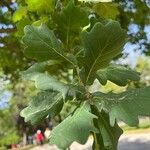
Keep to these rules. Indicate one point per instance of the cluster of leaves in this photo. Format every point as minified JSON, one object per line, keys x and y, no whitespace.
{"x":84,"y":44}
{"x":15,"y":15}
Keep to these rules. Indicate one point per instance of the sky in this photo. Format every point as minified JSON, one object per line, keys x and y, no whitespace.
{"x":4,"y":99}
{"x":133,"y":50}
{"x":5,"y":95}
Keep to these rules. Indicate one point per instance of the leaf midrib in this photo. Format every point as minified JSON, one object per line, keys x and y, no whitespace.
{"x":45,"y":109}
{"x":36,"y":33}
{"x":100,"y":55}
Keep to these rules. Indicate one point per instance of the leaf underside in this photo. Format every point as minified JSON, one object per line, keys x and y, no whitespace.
{"x":126,"y":106}
{"x":117,"y":74}
{"x":110,"y":134}
{"x":75,"y":127}
{"x":44,"y":81}
{"x":44,"y":104}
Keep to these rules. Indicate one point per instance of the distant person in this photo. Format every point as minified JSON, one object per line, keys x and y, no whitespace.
{"x":47,"y":133}
{"x":30,"y":139}
{"x":39,"y":137}
{"x":13,"y":146}
{"x":50,"y":125}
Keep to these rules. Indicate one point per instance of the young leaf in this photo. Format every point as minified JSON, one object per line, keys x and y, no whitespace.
{"x":101,"y":44}
{"x":126,"y":106}
{"x":117,"y":74}
{"x":96,"y":1}
{"x":20,"y":14}
{"x":106,"y":10}
{"x":42,"y":44}
{"x":75,"y":127}
{"x":39,"y":6}
{"x":44,"y":104}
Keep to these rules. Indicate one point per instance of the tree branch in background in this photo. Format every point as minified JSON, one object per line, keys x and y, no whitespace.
{"x":8,"y":30}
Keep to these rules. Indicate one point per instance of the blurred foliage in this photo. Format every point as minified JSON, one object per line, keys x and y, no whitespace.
{"x":11,"y":137}
{"x":143,"y":66}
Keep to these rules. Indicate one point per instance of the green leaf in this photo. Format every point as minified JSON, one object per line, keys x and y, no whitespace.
{"x":44,"y":104}
{"x":107,"y":10}
{"x":20,"y":26}
{"x":101,"y":44}
{"x":42,"y":20}
{"x":42,"y":44}
{"x":126,"y":106}
{"x":75,"y":127}
{"x":47,"y":82}
{"x":44,"y":81}
{"x":37,"y":68}
{"x":117,"y":74}
{"x":20,"y":14}
{"x":109,"y":134}
{"x":95,"y":1}
{"x":39,"y":6}
{"x":70,"y":22}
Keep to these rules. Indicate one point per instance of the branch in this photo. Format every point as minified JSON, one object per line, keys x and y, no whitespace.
{"x":8,"y":30}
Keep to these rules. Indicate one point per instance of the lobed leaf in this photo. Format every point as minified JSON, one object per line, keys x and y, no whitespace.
{"x":101,"y":44}
{"x":110,"y":134}
{"x":117,"y":74}
{"x":47,"y":82}
{"x":126,"y":106}
{"x":44,"y":81}
{"x":42,"y":44}
{"x":46,"y":103}
{"x":39,"y":68}
{"x":75,"y":127}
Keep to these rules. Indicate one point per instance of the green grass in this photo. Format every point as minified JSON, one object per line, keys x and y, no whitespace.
{"x":141,"y":127}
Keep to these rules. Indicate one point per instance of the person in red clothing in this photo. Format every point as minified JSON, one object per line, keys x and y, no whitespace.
{"x":39,"y":137}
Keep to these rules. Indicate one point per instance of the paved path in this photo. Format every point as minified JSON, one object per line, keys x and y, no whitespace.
{"x":140,"y":141}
